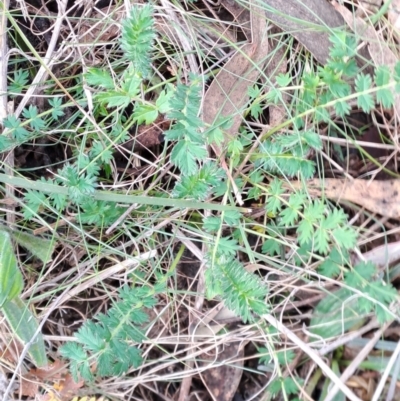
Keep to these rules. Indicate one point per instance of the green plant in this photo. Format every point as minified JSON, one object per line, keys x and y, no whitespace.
{"x":273,"y":359}
{"x":180,"y":104}
{"x":365,"y":292}
{"x":128,"y":95}
{"x":111,"y":341}
{"x":320,"y":91}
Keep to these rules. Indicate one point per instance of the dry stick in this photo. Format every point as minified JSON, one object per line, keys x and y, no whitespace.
{"x":313,"y":355}
{"x":356,"y":362}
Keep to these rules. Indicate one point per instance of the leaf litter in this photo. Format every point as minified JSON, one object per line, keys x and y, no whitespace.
{"x":381,"y":197}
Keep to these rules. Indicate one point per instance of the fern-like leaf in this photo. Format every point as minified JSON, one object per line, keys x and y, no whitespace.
{"x":137,"y":38}
{"x":365,"y":99}
{"x":111,"y":339}
{"x":242,"y":291}
{"x":277,"y":158}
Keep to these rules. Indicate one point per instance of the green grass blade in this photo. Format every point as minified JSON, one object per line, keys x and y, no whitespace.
{"x":24,"y":326}
{"x":113,"y":197}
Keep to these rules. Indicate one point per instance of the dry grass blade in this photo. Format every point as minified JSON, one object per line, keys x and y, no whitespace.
{"x":386,"y":373}
{"x":394,"y":14}
{"x":277,"y":65}
{"x":90,"y":282}
{"x":394,"y":361}
{"x":313,"y":355}
{"x":349,"y":371}
{"x":3,"y":60}
{"x":187,"y":381}
{"x":344,"y":339}
{"x":48,"y":61}
{"x":187,"y":46}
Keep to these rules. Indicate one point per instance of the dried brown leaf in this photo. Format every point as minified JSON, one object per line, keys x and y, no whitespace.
{"x":382,"y":197}
{"x":64,"y":387}
{"x":227,"y":94}
{"x":67,"y":388}
{"x":28,"y":388}
{"x":308,"y":21}
{"x":148,"y":136}
{"x":53,"y":371}
{"x":222,"y":381}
